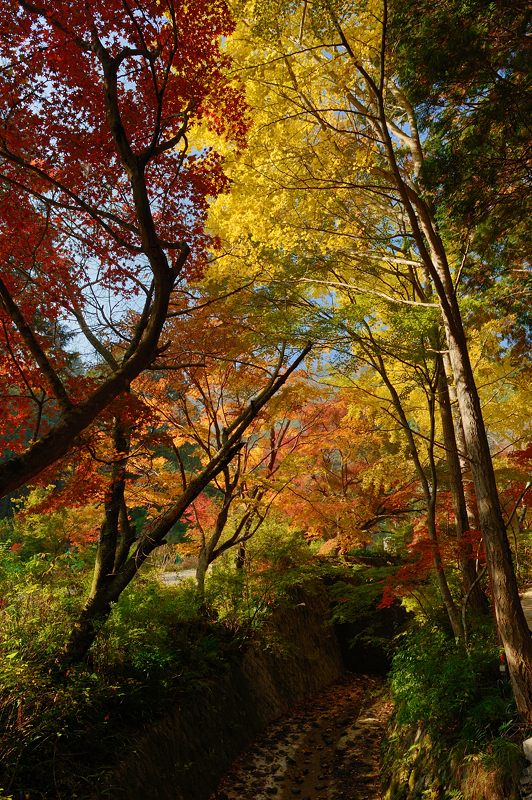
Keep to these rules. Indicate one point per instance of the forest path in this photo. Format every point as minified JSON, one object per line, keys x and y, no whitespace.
{"x":328,"y":749}
{"x":526,"y":602}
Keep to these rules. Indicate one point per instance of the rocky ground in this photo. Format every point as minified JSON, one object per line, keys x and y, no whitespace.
{"x":329,"y":749}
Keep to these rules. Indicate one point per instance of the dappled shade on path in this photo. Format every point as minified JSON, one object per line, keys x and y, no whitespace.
{"x":329,"y":749}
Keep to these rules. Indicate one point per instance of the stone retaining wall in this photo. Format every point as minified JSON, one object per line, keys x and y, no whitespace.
{"x":416,"y":768}
{"x":184,"y":755}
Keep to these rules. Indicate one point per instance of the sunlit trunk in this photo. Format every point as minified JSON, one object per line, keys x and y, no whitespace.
{"x":476,"y":598}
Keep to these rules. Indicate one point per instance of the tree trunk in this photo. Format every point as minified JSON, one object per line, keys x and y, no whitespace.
{"x":85,"y":629}
{"x":448,"y":600}
{"x":240,"y":560}
{"x":511,"y":622}
{"x":467,"y":482}
{"x":201,"y":572}
{"x":477,"y":600}
{"x":108,"y":583}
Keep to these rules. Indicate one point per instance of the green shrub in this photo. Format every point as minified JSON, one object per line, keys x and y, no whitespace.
{"x":278,"y":559}
{"x":454,"y":694}
{"x":154,"y":646}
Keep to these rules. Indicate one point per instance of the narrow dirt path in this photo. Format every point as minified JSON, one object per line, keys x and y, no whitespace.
{"x":329,"y":749}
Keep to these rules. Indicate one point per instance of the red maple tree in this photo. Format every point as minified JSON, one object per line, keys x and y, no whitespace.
{"x":102,"y":199}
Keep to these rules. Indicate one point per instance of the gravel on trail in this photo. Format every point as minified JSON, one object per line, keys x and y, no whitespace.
{"x":328,"y":749}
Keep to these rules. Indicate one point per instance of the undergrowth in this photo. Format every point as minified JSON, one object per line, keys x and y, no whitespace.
{"x":57,"y":726}
{"x":62,"y":732}
{"x":462,"y":708}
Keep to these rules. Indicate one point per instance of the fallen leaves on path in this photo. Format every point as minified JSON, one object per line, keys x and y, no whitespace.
{"x":329,"y":749}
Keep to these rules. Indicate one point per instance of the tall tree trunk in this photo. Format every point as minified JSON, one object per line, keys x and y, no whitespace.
{"x":511,"y":622}
{"x":111,"y":542}
{"x":240,"y":560}
{"x":465,"y":468}
{"x":448,"y":601}
{"x":84,"y":631}
{"x":476,"y":598}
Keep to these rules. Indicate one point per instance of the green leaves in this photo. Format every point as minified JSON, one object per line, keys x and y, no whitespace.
{"x":463,"y":66}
